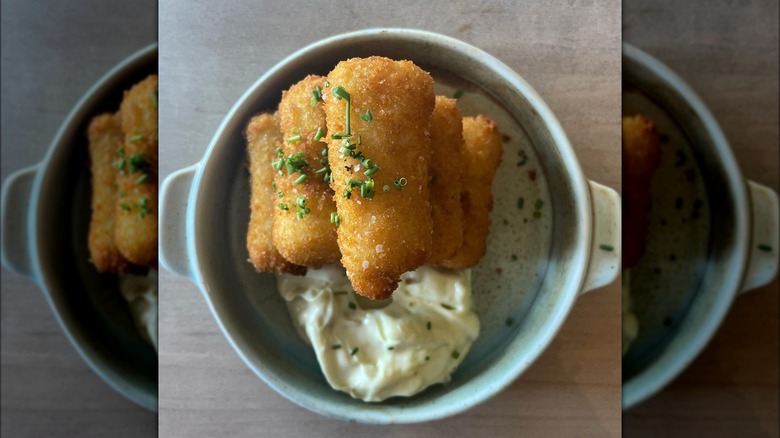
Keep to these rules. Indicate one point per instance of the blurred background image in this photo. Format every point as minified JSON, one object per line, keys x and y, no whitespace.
{"x":727,"y":52}
{"x":52,"y":54}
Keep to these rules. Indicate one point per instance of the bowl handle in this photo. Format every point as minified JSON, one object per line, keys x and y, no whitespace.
{"x":605,"y":248}
{"x":764,"y":249}
{"x":15,"y":221}
{"x":174,"y":198}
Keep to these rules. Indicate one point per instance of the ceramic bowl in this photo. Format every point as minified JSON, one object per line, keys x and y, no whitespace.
{"x":712,"y":236}
{"x":45,"y":219}
{"x":205,"y":210}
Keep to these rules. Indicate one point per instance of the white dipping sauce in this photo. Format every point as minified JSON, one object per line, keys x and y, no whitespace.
{"x":141,"y":294}
{"x":373,"y":353}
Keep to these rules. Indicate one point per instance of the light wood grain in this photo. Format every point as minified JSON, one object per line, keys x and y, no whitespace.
{"x":210,"y":53}
{"x":728,"y":52}
{"x":52,"y":53}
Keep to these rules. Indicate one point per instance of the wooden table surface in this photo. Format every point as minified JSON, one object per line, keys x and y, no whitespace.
{"x":569,"y":51}
{"x":52,"y":52}
{"x":728,"y":53}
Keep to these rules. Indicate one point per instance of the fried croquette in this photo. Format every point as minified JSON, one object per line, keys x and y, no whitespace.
{"x":302,"y":230}
{"x":446,"y":168}
{"x":105,"y":138}
{"x":482,"y":156}
{"x":262,"y":136}
{"x":641,"y":157}
{"x":379,"y":156}
{"x":135,"y":233}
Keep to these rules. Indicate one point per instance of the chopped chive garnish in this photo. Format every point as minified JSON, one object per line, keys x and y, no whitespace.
{"x":301,"y":201}
{"x":391,"y":348}
{"x":606,"y":247}
{"x":142,"y":179}
{"x":360,"y":139}
{"x":318,"y":135}
{"x":354,"y":351}
{"x":334,"y":218}
{"x":135,"y":138}
{"x":327,"y":84}
{"x":386,"y":188}
{"x":403,"y":182}
{"x":124,"y":207}
{"x":283,"y":206}
{"x":143,"y":207}
{"x":427,"y":358}
{"x":340,"y":93}
{"x":367,"y":189}
{"x":428,"y":325}
{"x":522,"y":157}
{"x":279,"y":195}
{"x":455,"y":354}
{"x":321,"y":170}
{"x":366,"y":117}
{"x":302,"y":179}
{"x":764,"y":247}
{"x":341,"y":135}
{"x":458,"y":94}
{"x":447,"y":306}
{"x":316,"y":95}
{"x":295,"y":162}
{"x":372,"y":171}
{"x":352,"y":306}
{"x":335,"y":346}
{"x":295,"y":138}
{"x":137,"y":162}
{"x":509,"y":321}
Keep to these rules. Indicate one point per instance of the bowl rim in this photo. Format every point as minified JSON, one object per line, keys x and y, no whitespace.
{"x":35,"y":223}
{"x":670,"y":364}
{"x":556,"y":317}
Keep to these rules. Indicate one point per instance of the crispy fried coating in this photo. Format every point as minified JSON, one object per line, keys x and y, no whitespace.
{"x":447,"y":165}
{"x":482,"y":156}
{"x":641,"y":156}
{"x":304,"y":239}
{"x":382,"y":237}
{"x":135,"y":233}
{"x":262,"y":136}
{"x":105,"y":139}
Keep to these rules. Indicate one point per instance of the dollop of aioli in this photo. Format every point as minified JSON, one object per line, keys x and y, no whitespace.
{"x":141,"y":294}
{"x":376,"y":350}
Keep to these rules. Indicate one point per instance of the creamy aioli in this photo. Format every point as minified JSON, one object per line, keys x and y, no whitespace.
{"x":141,"y":294}
{"x":398,"y":349}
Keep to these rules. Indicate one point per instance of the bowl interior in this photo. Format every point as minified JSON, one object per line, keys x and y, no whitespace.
{"x":531,"y":273}
{"x":89,"y":305}
{"x":691,"y":267}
